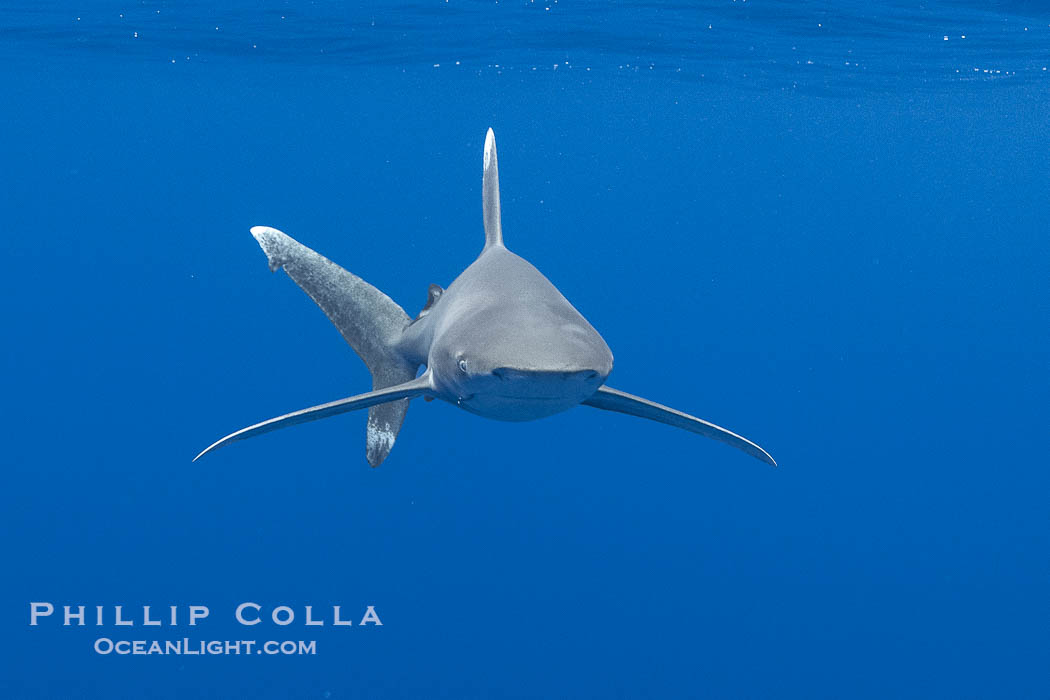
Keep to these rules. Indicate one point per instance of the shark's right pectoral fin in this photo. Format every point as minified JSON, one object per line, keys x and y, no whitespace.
{"x":613,"y":400}
{"x":407,"y":390}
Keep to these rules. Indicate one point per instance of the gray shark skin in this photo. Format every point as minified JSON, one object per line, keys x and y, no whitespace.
{"x":501,"y":342}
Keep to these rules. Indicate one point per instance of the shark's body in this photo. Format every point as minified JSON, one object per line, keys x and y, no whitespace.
{"x":501,"y":342}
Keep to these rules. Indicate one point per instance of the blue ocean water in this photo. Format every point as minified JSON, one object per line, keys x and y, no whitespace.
{"x":821,"y":226}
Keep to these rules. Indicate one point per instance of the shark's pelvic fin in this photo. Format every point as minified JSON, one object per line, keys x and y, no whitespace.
{"x":370,"y":321}
{"x":613,"y":400}
{"x":490,"y":194}
{"x":400,"y":393}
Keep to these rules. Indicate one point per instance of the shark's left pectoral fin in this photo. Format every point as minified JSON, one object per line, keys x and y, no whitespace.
{"x":613,"y":400}
{"x":407,"y":390}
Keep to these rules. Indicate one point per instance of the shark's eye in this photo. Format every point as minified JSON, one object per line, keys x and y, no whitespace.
{"x":463,"y":365}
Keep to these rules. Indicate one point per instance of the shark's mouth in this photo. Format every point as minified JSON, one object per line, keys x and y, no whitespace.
{"x":518,"y":397}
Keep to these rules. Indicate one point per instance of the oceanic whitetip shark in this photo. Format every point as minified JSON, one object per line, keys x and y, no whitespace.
{"x":501,"y":342}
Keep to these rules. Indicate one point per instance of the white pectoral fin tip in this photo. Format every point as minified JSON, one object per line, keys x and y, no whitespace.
{"x":214,"y":446}
{"x":206,"y":450}
{"x":762,"y":455}
{"x":273,"y":243}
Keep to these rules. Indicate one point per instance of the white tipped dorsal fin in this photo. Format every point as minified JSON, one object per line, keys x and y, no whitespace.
{"x":490,"y":194}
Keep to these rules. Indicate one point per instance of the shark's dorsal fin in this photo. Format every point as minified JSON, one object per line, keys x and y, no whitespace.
{"x":490,"y":194}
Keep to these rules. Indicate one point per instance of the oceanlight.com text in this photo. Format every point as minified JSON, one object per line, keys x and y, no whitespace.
{"x":190,"y":647}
